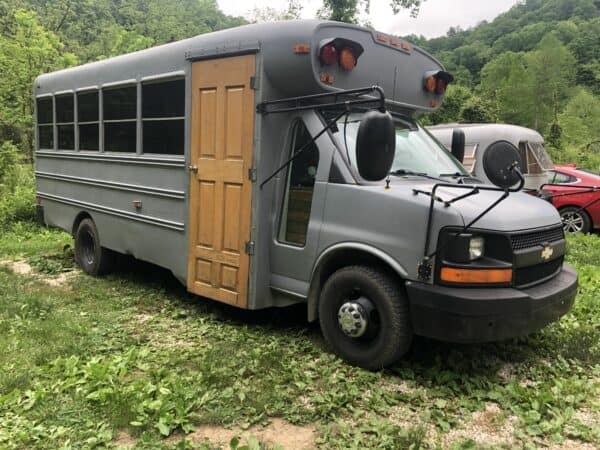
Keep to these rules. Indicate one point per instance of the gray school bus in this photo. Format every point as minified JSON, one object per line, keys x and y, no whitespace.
{"x":281,"y":163}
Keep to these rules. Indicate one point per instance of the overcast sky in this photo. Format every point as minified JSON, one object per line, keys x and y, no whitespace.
{"x":435,"y":17}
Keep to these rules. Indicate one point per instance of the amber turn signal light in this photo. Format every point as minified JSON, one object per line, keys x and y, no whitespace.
{"x":347,"y":59}
{"x":475,"y":276}
{"x":430,"y":84}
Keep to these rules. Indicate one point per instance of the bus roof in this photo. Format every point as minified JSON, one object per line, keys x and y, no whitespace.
{"x":289,"y":53}
{"x":488,"y":132}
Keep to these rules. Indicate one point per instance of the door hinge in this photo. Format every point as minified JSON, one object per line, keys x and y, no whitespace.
{"x":250,"y":247}
{"x":254,"y":83}
{"x":252,"y":176}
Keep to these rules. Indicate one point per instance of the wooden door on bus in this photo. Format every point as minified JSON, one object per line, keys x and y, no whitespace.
{"x":222,"y":124}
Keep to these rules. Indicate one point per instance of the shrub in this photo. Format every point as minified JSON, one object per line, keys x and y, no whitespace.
{"x":9,"y":157}
{"x":17,"y":187}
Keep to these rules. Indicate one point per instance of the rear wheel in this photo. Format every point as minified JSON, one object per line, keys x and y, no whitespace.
{"x":364,"y":317}
{"x":89,"y":254}
{"x":575,"y":219}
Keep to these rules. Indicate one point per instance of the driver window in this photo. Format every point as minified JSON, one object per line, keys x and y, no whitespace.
{"x":299,"y":189}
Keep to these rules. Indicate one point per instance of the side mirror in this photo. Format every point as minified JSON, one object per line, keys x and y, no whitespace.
{"x":375,"y":145}
{"x":458,"y":144}
{"x":498,"y":161}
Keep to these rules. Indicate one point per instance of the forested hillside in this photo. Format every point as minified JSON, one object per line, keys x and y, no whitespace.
{"x":38,"y":36}
{"x":537,"y":65}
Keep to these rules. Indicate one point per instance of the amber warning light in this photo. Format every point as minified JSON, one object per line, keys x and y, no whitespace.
{"x":436,"y":82}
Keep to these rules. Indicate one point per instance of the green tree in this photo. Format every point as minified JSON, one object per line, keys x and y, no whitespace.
{"x":506,"y":85}
{"x":580,"y":121}
{"x":552,"y":68}
{"x":26,"y":51}
{"x":449,"y":112}
{"x":476,"y":110}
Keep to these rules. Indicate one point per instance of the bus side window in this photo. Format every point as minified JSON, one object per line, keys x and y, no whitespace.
{"x":88,"y":120}
{"x":65,"y":122}
{"x":300,"y":184}
{"x":45,"y":122}
{"x":163,"y":116}
{"x":120,"y":127}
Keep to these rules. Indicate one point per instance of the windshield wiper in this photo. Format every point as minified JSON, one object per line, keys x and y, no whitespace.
{"x":455,"y":174}
{"x":461,"y":176}
{"x":403,"y":172}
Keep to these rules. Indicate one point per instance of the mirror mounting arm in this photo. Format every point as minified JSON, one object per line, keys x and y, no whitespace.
{"x":307,"y":145}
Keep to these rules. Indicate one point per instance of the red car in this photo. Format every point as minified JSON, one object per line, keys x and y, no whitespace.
{"x":569,"y":206}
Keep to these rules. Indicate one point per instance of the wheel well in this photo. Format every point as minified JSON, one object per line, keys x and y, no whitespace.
{"x":342,"y":258}
{"x":80,"y":217}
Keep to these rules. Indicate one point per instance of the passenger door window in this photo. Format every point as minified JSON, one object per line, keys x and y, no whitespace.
{"x":300,"y":184}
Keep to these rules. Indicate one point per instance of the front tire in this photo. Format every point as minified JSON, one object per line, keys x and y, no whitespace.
{"x":364,"y":317}
{"x":89,"y":254}
{"x":575,"y":220}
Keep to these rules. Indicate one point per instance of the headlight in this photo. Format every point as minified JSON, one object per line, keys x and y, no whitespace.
{"x":476,"y":245}
{"x":462,"y":248}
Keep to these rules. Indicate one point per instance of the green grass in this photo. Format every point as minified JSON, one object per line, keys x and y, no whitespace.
{"x":134,"y":353}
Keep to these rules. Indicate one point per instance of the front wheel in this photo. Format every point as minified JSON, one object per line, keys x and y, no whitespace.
{"x":364,"y":317}
{"x":575,"y":219}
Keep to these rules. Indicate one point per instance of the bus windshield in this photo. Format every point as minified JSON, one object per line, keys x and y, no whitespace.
{"x":417,"y":152}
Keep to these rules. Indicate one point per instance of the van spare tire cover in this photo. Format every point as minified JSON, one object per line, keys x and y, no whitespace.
{"x":375,"y":145}
{"x":497,"y":161}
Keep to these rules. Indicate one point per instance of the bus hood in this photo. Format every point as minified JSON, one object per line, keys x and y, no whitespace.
{"x":519,"y":211}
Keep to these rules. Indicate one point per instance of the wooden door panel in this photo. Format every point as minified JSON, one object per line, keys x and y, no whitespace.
{"x":220,"y":191}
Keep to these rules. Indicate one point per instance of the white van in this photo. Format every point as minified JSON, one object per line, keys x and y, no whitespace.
{"x":479,"y":138}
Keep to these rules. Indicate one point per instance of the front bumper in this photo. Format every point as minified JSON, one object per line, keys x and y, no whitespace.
{"x":469,"y":315}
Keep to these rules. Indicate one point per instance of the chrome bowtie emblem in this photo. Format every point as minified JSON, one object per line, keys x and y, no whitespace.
{"x":547,"y":253}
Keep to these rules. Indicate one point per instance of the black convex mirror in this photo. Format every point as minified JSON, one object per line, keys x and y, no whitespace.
{"x":458,"y":144}
{"x":375,"y":145}
{"x":498,"y":162}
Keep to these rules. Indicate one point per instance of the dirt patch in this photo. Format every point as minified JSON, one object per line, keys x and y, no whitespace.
{"x":61,"y":279}
{"x":24,"y":268}
{"x":397,"y":385}
{"x":19,"y":267}
{"x":278,"y":432}
{"x":124,"y":440}
{"x":487,"y":427}
{"x":568,"y":444}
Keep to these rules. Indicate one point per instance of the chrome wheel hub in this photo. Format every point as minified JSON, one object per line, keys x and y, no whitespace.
{"x":353,"y":317}
{"x":572,"y":222}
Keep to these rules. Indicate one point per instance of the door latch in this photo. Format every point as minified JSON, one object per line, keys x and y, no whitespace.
{"x":193,"y":168}
{"x":252,"y":176}
{"x":249,"y":248}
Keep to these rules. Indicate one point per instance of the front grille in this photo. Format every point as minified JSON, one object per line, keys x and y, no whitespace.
{"x":531,"y":239}
{"x":539,"y":272}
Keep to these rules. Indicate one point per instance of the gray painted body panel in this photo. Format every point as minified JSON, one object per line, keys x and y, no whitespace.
{"x":483,"y":135}
{"x":389,"y":220}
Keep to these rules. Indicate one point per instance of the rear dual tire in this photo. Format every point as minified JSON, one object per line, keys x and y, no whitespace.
{"x":360,"y":292}
{"x":89,"y":254}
